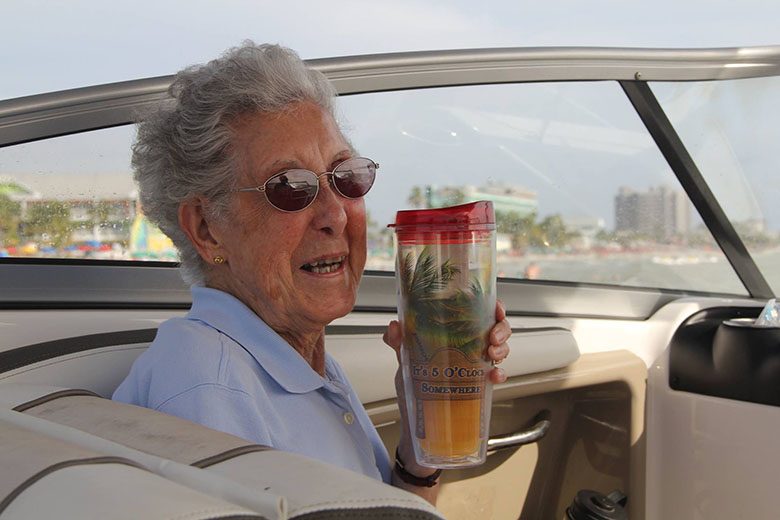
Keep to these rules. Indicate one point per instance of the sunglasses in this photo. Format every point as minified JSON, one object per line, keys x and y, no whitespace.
{"x":295,"y":190}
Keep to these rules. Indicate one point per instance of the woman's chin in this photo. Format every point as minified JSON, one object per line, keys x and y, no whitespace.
{"x":329,"y":295}
{"x":330,"y":307}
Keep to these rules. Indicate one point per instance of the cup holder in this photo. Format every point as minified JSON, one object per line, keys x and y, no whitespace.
{"x":748,"y":357}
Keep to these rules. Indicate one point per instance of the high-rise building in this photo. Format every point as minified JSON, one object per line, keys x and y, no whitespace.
{"x":626,"y":210}
{"x":660,"y":211}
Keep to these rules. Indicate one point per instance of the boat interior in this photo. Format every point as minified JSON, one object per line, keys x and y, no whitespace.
{"x":630,"y":387}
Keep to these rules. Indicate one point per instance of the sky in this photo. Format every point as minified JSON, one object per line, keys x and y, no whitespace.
{"x":50,"y":45}
{"x":56,"y":44}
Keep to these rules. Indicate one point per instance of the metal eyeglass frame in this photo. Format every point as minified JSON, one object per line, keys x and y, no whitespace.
{"x":317,"y":176}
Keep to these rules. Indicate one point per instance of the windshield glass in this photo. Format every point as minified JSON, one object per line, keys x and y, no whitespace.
{"x":74,"y":197}
{"x":581,"y":191}
{"x":730,"y":128}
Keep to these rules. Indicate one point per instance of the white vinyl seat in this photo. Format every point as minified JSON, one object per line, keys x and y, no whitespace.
{"x":98,"y":366}
{"x":49,"y":478}
{"x":306,"y":488}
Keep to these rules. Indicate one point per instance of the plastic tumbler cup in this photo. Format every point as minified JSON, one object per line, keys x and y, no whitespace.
{"x":445,"y":270}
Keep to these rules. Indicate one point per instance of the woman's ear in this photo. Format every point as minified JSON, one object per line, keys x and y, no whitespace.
{"x":199,"y":230}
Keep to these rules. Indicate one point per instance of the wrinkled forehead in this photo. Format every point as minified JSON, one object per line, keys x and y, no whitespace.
{"x":303,"y":135}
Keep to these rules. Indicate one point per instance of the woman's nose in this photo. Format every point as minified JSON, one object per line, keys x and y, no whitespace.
{"x":330,"y":213}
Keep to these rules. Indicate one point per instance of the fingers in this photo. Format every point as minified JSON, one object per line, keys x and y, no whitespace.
{"x":497,"y":375}
{"x":393,"y":336}
{"x":500,"y":310}
{"x":498,"y":352}
{"x":498,"y":349}
{"x":500,"y":332}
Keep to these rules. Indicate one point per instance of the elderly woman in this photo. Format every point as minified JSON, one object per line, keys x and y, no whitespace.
{"x":247,"y":172}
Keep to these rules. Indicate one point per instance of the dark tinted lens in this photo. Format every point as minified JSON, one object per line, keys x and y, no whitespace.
{"x":354,"y":177}
{"x":292,"y":190}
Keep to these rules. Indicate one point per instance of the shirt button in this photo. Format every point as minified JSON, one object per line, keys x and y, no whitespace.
{"x":349,"y":418}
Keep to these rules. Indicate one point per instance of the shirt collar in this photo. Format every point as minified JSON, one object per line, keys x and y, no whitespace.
{"x":232,"y":317}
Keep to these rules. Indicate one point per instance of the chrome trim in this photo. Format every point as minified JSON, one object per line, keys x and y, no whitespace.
{"x":357,"y":74}
{"x":514,"y":440}
{"x":77,"y":110}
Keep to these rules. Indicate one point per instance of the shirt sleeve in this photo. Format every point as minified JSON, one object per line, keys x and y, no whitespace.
{"x":221,"y":408}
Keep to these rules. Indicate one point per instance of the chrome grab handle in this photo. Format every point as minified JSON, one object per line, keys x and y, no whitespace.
{"x":533,"y":434}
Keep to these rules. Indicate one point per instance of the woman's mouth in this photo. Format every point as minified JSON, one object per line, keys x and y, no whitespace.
{"x":326,"y":265}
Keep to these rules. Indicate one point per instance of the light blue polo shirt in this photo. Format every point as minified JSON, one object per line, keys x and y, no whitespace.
{"x":221,"y":366}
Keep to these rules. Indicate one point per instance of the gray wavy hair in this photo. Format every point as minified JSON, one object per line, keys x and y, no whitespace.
{"x":183,"y":147}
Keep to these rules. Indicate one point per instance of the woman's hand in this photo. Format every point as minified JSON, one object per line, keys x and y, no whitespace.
{"x":496,"y":352}
{"x":498,"y":349}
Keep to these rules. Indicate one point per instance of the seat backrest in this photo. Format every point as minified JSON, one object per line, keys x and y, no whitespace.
{"x":96,"y":362}
{"x":311,"y":488}
{"x":43,"y":477}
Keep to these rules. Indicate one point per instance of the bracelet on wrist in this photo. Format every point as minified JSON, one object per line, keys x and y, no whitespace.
{"x":414,"y":480}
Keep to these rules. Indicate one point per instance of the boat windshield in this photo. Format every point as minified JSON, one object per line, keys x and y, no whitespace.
{"x":730,"y":128}
{"x":582,"y":190}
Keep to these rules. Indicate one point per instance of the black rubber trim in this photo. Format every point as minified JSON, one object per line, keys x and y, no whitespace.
{"x":229,"y":454}
{"x":61,"y":465}
{"x":370,"y":513}
{"x":87,"y":305}
{"x":239,"y":517}
{"x":27,"y":355}
{"x":528,"y":330}
{"x":692,"y":181}
{"x":352,"y":330}
{"x":146,"y":264}
{"x":53,"y":396}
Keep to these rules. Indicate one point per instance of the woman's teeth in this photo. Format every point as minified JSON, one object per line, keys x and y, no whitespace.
{"x":325,"y":266}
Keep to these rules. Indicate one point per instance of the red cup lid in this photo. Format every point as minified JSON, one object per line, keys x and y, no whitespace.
{"x":472,"y":216}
